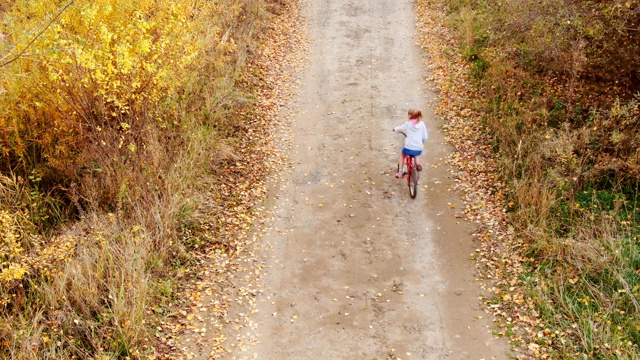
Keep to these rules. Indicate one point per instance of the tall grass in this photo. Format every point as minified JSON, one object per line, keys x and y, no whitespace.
{"x":564,"y":129}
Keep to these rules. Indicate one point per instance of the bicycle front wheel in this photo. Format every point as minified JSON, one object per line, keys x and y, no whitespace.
{"x":413,"y":183}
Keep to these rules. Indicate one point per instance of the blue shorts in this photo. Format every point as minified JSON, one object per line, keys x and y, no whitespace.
{"x":406,"y":151}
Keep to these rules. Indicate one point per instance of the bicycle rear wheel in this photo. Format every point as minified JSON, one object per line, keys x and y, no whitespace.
{"x":413,"y":182}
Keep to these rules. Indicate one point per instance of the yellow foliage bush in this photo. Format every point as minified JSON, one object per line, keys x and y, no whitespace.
{"x":95,"y":83}
{"x":124,"y":54}
{"x":44,"y":260}
{"x":10,"y":250}
{"x":100,"y":103}
{"x":104,"y":66}
{"x":81,"y":85}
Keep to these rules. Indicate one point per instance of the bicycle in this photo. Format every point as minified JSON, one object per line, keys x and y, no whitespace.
{"x":412,"y":175}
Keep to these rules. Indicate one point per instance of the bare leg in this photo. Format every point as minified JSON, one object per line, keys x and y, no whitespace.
{"x":400,"y":173}
{"x":418,"y":165}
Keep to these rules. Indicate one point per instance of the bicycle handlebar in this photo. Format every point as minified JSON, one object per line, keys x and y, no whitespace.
{"x":399,"y":132}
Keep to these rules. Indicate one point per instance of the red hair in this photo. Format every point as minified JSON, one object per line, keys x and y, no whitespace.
{"x":414,"y":114}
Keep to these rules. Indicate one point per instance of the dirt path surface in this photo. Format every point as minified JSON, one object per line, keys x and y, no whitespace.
{"x":357,"y":269}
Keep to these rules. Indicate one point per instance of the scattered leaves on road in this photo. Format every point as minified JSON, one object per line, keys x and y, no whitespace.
{"x":212,"y":314}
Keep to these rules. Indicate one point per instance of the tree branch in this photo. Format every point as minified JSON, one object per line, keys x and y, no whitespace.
{"x":61,"y":10}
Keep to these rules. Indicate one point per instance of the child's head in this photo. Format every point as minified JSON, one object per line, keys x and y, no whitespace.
{"x":414,"y":114}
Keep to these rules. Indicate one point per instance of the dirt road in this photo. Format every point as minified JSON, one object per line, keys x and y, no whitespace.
{"x":359,"y":270}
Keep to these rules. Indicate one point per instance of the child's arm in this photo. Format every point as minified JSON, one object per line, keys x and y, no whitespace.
{"x":402,"y":128}
{"x":425,"y":135}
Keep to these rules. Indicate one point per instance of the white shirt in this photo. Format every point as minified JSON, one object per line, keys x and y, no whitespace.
{"x":416,"y":134}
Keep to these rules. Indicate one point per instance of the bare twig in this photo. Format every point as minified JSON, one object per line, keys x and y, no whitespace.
{"x":60,"y":11}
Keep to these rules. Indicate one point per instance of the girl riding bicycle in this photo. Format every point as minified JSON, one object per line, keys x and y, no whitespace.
{"x":416,"y":134}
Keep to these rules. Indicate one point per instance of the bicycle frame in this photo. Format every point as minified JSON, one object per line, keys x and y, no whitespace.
{"x":412,"y":175}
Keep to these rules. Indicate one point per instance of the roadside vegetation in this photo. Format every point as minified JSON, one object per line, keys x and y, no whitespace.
{"x":553,"y":92}
{"x":121,"y":124}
